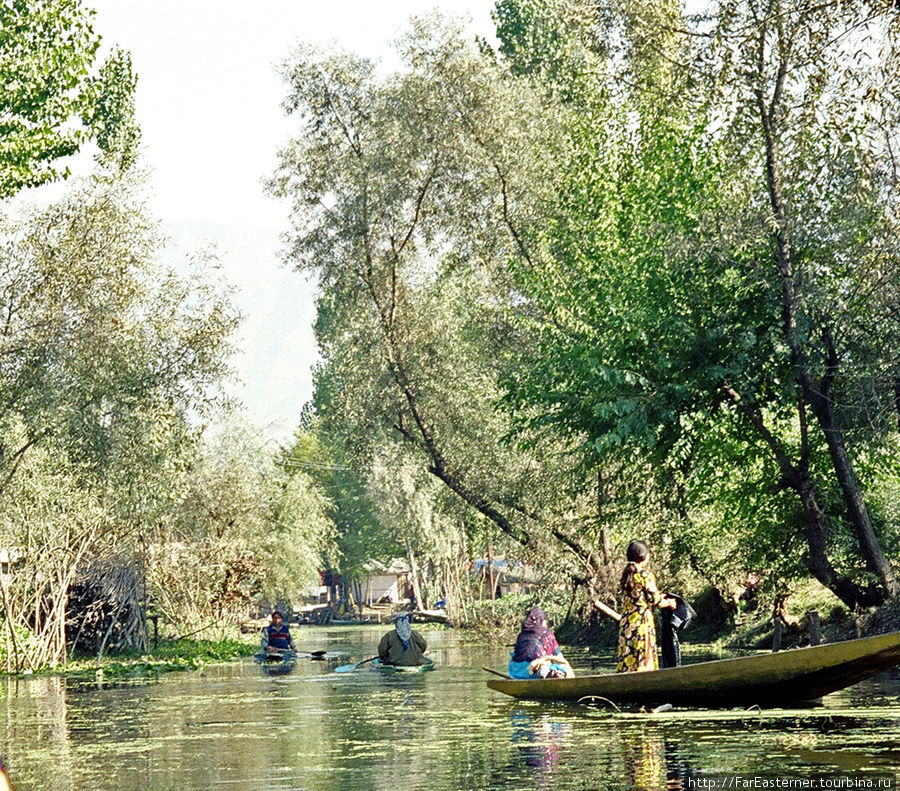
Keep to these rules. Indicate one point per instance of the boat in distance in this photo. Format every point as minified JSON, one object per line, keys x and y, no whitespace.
{"x":799,"y":675}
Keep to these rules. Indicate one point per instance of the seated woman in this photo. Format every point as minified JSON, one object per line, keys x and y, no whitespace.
{"x":537,"y":653}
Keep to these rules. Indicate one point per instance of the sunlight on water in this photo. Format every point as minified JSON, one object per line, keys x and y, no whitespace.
{"x":245,"y":726}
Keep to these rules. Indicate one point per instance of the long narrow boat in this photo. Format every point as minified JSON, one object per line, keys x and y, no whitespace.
{"x":377,"y":664}
{"x":775,"y":679}
{"x":282,"y":657}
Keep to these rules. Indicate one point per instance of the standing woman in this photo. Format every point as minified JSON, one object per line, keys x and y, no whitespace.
{"x":637,"y":632}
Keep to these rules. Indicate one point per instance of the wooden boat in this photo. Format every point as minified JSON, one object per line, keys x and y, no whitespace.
{"x":284,"y":657}
{"x":776,"y":679}
{"x":377,"y":664}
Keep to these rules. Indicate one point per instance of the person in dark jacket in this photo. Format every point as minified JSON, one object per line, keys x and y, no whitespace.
{"x":404,"y":646}
{"x":673,"y":621}
{"x":537,"y":653}
{"x":276,"y":637}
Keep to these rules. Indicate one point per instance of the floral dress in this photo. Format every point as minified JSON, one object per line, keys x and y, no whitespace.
{"x":637,"y":631}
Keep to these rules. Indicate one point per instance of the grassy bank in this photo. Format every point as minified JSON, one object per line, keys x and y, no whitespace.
{"x":721,"y":626}
{"x":168,"y":656}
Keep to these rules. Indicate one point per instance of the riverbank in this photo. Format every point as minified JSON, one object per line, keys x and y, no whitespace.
{"x":169,"y":656}
{"x":746,"y":624}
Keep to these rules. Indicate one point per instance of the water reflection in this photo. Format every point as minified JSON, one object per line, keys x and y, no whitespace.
{"x":653,"y":761}
{"x":282,"y":668}
{"x":232,"y":726}
{"x":538,"y":742}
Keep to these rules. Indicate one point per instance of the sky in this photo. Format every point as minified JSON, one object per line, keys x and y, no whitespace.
{"x":208,"y":102}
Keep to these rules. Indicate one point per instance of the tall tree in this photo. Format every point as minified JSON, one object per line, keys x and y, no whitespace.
{"x":729,"y":254}
{"x":241,"y":529}
{"x":403,"y":188}
{"x":103,"y":354}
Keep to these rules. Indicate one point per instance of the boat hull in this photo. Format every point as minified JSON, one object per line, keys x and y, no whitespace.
{"x":775,"y":679}
{"x":377,"y":664}
{"x":263,"y":657}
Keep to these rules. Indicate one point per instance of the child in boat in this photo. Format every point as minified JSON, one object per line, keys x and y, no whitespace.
{"x":637,"y":631}
{"x":276,"y":637}
{"x":537,"y":653}
{"x":404,"y":646}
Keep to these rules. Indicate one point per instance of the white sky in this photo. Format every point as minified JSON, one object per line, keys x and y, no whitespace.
{"x":208,"y":102}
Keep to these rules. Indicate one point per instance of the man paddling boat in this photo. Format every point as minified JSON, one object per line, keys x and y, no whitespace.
{"x":276,"y":637}
{"x":404,"y":646}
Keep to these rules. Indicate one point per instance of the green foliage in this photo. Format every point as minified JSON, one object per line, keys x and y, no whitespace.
{"x":47,"y":48}
{"x":241,"y":530}
{"x":169,"y":656}
{"x":318,"y":453}
{"x":110,"y":114}
{"x":552,"y":40}
{"x":554,"y":279}
{"x":661,"y":306}
{"x":508,"y":612}
{"x":106,"y":357}
{"x":402,"y":189}
{"x":100,"y":340}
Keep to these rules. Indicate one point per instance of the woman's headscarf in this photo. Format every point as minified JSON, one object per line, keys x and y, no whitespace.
{"x":404,"y":629}
{"x":534,"y":621}
{"x":536,"y":638}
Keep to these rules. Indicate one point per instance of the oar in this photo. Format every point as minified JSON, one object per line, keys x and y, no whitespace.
{"x":351,"y":668}
{"x":607,"y":610}
{"x":502,"y":675}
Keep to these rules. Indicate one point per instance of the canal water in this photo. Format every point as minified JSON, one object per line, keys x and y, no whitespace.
{"x":239,"y":726}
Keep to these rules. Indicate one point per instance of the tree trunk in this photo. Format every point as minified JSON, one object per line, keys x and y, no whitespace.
{"x":854,"y":502}
{"x":770,"y":111}
{"x":796,"y":477}
{"x":897,"y":399}
{"x":414,"y":574}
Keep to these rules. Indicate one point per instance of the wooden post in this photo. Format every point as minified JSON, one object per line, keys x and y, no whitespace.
{"x":490,"y":564}
{"x":815,"y":630}
{"x":776,"y":636}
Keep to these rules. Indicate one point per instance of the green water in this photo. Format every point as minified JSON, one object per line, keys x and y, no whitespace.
{"x":241,"y":726}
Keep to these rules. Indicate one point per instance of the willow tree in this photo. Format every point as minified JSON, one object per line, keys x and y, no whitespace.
{"x":241,"y":530}
{"x":405,"y":187}
{"x":103,"y":354}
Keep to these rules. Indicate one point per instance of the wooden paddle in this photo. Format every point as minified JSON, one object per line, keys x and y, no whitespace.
{"x":502,"y":675}
{"x":351,"y":668}
{"x":606,"y":610}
